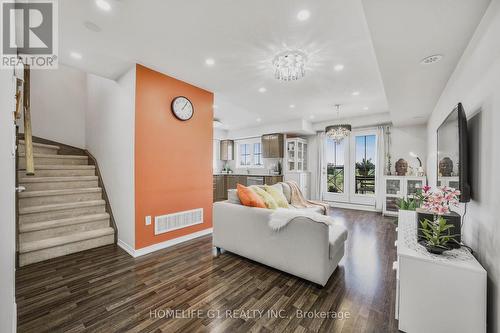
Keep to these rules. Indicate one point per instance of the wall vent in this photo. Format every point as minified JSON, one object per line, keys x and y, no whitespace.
{"x":178,"y":220}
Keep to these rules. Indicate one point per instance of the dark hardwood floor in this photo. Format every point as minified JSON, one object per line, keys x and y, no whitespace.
{"x":106,"y":290}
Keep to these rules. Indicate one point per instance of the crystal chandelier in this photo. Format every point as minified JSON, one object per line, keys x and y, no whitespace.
{"x":338,"y":132}
{"x":290,"y":65}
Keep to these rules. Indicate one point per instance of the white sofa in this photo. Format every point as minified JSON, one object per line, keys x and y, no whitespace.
{"x":303,"y":248}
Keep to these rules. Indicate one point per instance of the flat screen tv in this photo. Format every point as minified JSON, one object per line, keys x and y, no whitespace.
{"x":453,"y":153}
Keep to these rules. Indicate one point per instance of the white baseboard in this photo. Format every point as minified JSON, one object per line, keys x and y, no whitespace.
{"x":163,"y":245}
{"x":353,"y":206}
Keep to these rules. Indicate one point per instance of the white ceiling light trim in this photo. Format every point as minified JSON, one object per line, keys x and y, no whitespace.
{"x":103,"y":4}
{"x":431,"y":59}
{"x":303,"y":15}
{"x":338,"y":67}
{"x":290,"y":65}
{"x":355,"y":93}
{"x":210,"y":62}
{"x":262,"y":90}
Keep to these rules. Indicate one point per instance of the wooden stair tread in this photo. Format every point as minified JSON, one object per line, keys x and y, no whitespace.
{"x":36,"y":179}
{"x":36,"y":226}
{"x":63,"y":240}
{"x":62,"y":167}
{"x":42,"y":145}
{"x":32,"y":194}
{"x":80,"y":157}
{"x":63,"y":206}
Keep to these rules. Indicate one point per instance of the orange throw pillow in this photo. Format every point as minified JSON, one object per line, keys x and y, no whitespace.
{"x":249,"y":198}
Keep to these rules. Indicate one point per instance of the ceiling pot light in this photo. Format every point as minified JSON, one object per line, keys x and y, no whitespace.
{"x":92,"y":26}
{"x":355,"y":93}
{"x":290,"y":65}
{"x":258,"y":120}
{"x":262,"y":90}
{"x":210,"y":62}
{"x":312,"y":117}
{"x":338,"y":67}
{"x":75,"y":55}
{"x":292,"y":106}
{"x":338,"y":132}
{"x":365,"y":108}
{"x":303,"y":15}
{"x":431,"y":59}
{"x":103,"y":4}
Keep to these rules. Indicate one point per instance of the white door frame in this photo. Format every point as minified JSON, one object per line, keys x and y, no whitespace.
{"x":349,"y":196}
{"x":361,"y":199}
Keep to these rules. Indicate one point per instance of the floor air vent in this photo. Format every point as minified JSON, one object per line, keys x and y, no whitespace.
{"x":178,"y":220}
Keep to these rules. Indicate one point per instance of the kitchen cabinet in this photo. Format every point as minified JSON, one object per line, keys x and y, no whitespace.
{"x":296,"y":157}
{"x":222,"y":183}
{"x":271,"y":180}
{"x":273,"y":145}
{"x":227,"y":150}
{"x":220,"y":192}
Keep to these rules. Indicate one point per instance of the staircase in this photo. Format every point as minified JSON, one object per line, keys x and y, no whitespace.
{"x":62,"y":210}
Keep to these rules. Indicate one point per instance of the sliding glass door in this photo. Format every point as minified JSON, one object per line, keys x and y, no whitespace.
{"x":351,"y":166}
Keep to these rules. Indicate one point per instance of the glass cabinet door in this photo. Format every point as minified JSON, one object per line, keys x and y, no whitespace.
{"x":393,"y":186}
{"x":413,"y":186}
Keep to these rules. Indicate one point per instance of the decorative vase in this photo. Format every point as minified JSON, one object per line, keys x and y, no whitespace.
{"x":451,"y":218}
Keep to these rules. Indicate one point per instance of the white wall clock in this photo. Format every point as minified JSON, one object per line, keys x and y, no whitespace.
{"x":182,"y":108}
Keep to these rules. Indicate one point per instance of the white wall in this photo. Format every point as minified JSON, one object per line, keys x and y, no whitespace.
{"x":408,"y":139}
{"x":476,"y":83}
{"x":7,"y":203}
{"x":58,"y":105}
{"x":110,"y":138}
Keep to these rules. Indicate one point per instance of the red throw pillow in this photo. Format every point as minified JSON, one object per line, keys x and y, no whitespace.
{"x":249,"y":198}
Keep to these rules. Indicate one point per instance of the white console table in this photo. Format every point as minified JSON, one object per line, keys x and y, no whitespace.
{"x":437,"y":293}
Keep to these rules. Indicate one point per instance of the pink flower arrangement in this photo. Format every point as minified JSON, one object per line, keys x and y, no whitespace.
{"x":438,"y":202}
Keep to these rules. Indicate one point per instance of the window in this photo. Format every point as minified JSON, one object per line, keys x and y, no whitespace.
{"x":249,"y":154}
{"x":366,"y":146}
{"x":245,"y":159}
{"x":335,"y":168}
{"x":257,"y":154}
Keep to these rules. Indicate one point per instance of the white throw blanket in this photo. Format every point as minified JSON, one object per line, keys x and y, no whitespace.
{"x":282,"y":216}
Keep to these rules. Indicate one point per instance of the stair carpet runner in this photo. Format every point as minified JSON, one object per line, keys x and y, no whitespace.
{"x":62,"y":210}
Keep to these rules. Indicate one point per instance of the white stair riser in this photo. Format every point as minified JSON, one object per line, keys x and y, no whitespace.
{"x":55,"y":199}
{"x":38,"y":150}
{"x":61,"y":214}
{"x":59,"y":173}
{"x":52,"y":161}
{"x":63,"y":230}
{"x":40,"y":255}
{"x":59,"y":185}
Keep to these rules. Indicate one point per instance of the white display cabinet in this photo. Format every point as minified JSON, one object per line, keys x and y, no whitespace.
{"x":296,"y":155}
{"x":398,"y":187}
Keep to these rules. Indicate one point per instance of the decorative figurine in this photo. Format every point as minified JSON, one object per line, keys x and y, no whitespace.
{"x":401,"y":167}
{"x":446,"y":167}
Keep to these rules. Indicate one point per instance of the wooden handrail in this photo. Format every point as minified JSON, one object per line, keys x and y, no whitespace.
{"x":28,"y":140}
{"x":19,"y":97}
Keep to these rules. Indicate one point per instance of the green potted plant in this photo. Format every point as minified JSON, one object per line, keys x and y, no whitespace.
{"x":436,"y":234}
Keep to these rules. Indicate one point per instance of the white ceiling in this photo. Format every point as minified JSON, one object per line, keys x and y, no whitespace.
{"x":406,"y":31}
{"x":176,"y":36}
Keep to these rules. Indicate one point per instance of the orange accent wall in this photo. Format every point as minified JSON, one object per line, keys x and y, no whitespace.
{"x":173,"y":158}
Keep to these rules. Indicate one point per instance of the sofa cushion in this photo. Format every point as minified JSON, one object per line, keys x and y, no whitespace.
{"x":337,"y":235}
{"x":266,"y":197}
{"x":232,"y":196}
{"x":287,"y":191}
{"x":277,"y":195}
{"x":249,"y":198}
